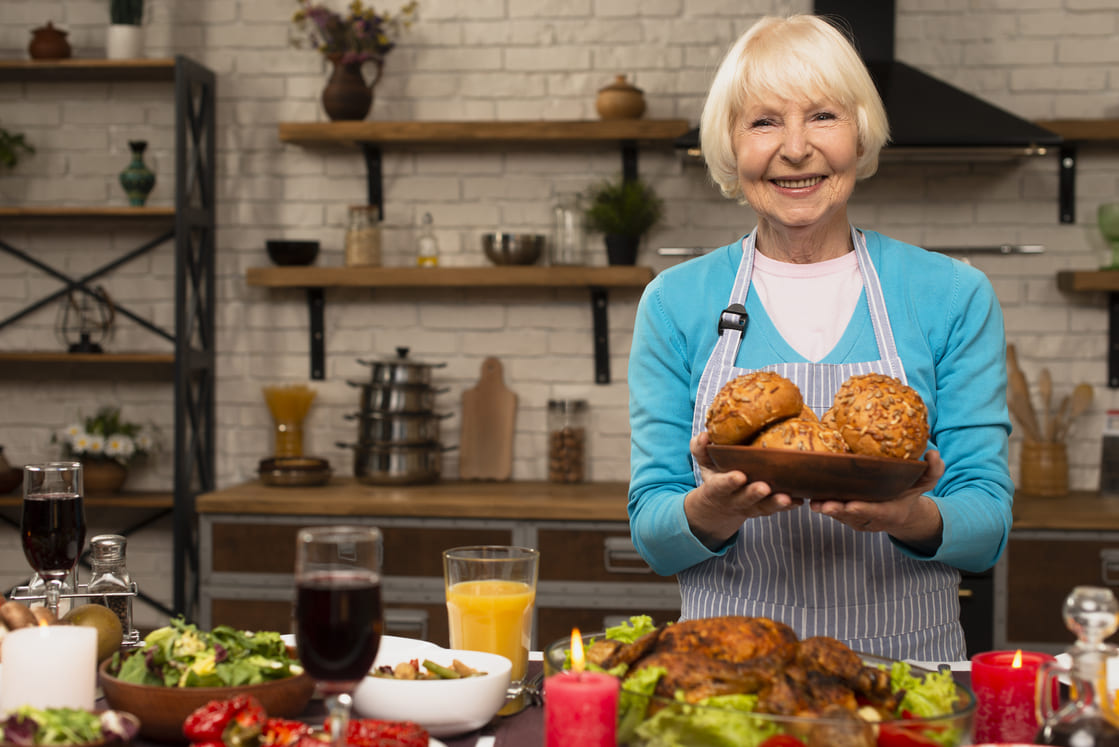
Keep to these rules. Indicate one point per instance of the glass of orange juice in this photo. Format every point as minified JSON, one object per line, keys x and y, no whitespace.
{"x":491,"y":595}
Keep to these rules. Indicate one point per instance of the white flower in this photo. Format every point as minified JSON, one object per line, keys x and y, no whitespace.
{"x":73,"y":431}
{"x":80,"y":442}
{"x":119,"y":445}
{"x":143,"y":442}
{"x":95,"y":445}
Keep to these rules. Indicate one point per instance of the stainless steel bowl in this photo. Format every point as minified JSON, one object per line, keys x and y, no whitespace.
{"x":513,"y":248}
{"x":391,"y":398}
{"x":397,"y":428}
{"x":389,"y":464}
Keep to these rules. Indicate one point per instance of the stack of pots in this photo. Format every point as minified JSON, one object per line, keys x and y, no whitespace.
{"x":398,"y":428}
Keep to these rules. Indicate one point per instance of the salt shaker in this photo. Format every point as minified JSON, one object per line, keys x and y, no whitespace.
{"x":108,"y":575}
{"x":567,"y":440}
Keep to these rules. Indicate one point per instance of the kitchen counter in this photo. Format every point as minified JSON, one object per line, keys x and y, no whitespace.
{"x":592,"y":501}
{"x":546,"y":501}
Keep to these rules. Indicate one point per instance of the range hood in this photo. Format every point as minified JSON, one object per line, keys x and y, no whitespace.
{"x":927,"y":116}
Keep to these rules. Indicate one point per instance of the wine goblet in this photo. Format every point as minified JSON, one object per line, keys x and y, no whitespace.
{"x":338,"y":614}
{"x":1107,"y":218}
{"x":52,"y":523}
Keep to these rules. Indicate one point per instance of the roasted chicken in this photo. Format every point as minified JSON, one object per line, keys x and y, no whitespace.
{"x":735,"y":654}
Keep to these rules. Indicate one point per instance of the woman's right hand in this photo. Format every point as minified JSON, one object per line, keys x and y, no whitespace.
{"x":723,"y":500}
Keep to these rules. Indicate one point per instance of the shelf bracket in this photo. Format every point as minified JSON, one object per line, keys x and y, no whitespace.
{"x":629,"y":160}
{"x":601,"y":335}
{"x":1113,"y":340}
{"x":1066,"y":183}
{"x":374,"y":188}
{"x":316,"y":301}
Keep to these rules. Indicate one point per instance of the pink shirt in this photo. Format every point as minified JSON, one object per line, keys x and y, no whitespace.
{"x":810,"y":304}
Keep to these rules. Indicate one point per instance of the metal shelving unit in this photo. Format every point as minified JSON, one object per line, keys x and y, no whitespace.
{"x":189,"y":226}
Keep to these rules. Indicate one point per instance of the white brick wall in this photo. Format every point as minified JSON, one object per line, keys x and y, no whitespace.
{"x":508,"y":59}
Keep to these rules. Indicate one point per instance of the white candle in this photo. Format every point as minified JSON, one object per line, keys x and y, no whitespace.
{"x":48,"y":666}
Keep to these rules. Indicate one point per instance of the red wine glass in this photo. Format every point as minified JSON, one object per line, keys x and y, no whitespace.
{"x":338,"y":614}
{"x":52,"y":523}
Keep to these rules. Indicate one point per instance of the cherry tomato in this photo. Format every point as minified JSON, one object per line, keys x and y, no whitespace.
{"x":781,"y":740}
{"x":895,"y":735}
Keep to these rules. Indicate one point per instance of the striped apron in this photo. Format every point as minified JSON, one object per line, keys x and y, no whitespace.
{"x":808,"y":570}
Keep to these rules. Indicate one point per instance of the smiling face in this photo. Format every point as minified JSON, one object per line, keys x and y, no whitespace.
{"x":797,"y":162}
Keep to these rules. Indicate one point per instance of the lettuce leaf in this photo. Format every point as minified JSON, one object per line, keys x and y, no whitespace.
{"x":732,"y":725}
{"x":628,"y":632}
{"x":934,"y":695}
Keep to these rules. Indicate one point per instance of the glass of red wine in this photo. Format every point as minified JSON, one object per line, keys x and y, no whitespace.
{"x":52,"y":523}
{"x":338,"y":615}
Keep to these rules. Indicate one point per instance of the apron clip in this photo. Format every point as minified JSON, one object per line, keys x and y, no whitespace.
{"x":739,"y":323}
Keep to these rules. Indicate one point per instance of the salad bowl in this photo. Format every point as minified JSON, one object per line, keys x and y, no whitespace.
{"x":649,"y":720}
{"x":117,"y":728}
{"x":445,"y":707}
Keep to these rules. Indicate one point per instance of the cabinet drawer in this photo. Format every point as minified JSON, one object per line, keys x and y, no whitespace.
{"x":593,"y":555}
{"x":1040,"y":575}
{"x":409,"y":551}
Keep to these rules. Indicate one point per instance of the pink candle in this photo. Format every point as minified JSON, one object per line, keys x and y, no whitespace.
{"x":580,"y":708}
{"x":1005,"y":694}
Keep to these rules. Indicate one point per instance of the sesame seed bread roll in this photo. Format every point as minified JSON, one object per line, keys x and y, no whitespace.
{"x":877,"y":415}
{"x":802,"y":435}
{"x":747,"y":404}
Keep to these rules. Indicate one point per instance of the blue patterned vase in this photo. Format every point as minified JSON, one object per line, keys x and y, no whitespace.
{"x":137,"y":179}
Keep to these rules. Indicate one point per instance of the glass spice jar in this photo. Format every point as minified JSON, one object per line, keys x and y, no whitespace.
{"x":567,"y":440}
{"x":363,"y":236}
{"x":109,"y":576}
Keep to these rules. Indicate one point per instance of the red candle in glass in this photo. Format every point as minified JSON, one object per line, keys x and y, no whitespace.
{"x":1005,"y":686}
{"x":580,"y":707}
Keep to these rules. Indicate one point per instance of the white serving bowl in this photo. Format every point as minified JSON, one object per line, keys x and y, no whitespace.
{"x":443,"y":707}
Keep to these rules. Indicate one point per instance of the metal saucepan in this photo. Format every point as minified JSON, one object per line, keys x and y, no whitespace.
{"x":397,"y":427}
{"x":390,"y":464}
{"x":399,"y":370}
{"x":389,"y":398}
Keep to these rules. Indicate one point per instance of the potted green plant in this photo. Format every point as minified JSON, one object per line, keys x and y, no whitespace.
{"x":106,"y":445}
{"x":623,"y":212}
{"x":125,"y":39}
{"x":12,"y":145}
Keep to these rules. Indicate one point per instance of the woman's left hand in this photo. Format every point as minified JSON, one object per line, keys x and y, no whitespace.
{"x":912,"y":517}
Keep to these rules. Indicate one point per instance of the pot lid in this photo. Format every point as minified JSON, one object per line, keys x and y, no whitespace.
{"x":401,"y":360}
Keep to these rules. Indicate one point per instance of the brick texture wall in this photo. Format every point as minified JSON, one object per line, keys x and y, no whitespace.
{"x":506,"y":59}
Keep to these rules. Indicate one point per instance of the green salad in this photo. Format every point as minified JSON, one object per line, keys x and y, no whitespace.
{"x":33,"y":727}
{"x":727,"y":719}
{"x":181,"y":655}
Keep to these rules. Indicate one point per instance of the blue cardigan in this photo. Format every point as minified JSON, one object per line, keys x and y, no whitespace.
{"x":949,"y":332}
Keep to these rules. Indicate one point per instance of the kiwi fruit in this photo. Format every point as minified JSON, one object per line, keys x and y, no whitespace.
{"x":110,"y":633}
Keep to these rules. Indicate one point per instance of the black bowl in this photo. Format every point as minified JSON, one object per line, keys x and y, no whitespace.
{"x":292,"y":252}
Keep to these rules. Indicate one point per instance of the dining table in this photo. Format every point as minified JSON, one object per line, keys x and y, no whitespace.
{"x":523,"y":729}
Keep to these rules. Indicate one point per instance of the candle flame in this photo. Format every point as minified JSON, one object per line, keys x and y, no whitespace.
{"x":1017,"y":663}
{"x":578,"y":658}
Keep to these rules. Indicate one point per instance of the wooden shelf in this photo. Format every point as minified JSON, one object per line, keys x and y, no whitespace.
{"x":614,"y":276}
{"x":59,"y":365}
{"x":1083,"y":129}
{"x":92,"y":69}
{"x":316,"y":279}
{"x":112,"y":359}
{"x":62,"y":212}
{"x":494,"y":132}
{"x":1083,"y":281}
{"x":123,"y":500}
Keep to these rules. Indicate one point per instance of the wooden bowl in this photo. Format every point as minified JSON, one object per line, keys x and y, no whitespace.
{"x":821,"y":476}
{"x":162,"y":710}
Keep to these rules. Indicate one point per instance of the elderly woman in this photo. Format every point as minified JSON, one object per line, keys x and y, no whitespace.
{"x":791,"y":123}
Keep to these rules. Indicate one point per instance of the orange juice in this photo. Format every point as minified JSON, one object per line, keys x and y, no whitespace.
{"x":493,"y":616}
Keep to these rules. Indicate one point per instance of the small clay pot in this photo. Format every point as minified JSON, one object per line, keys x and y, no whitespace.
{"x":48,"y":43}
{"x":620,"y":100}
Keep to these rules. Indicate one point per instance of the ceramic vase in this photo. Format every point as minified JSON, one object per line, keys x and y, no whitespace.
{"x":137,"y":179}
{"x":124,"y":41}
{"x":103,"y":476}
{"x":621,"y":250}
{"x":620,"y":100}
{"x":48,"y":43}
{"x":347,"y":97}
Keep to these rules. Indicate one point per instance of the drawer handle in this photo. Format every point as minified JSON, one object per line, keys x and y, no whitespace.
{"x":406,"y":622}
{"x":965,"y":593}
{"x":1109,"y":567}
{"x":620,"y":557}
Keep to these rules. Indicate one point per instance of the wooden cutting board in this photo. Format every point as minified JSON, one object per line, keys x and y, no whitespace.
{"x":489,"y":411}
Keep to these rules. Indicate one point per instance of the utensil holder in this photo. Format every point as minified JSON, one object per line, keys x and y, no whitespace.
{"x":1044,"y":469}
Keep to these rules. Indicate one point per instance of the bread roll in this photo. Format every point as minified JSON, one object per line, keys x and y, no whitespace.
{"x":802,"y":435}
{"x":877,"y":415}
{"x":747,"y":404}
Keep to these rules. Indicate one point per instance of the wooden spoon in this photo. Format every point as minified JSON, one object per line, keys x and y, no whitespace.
{"x":1020,"y":391}
{"x":1080,"y":402}
{"x":1045,"y":387}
